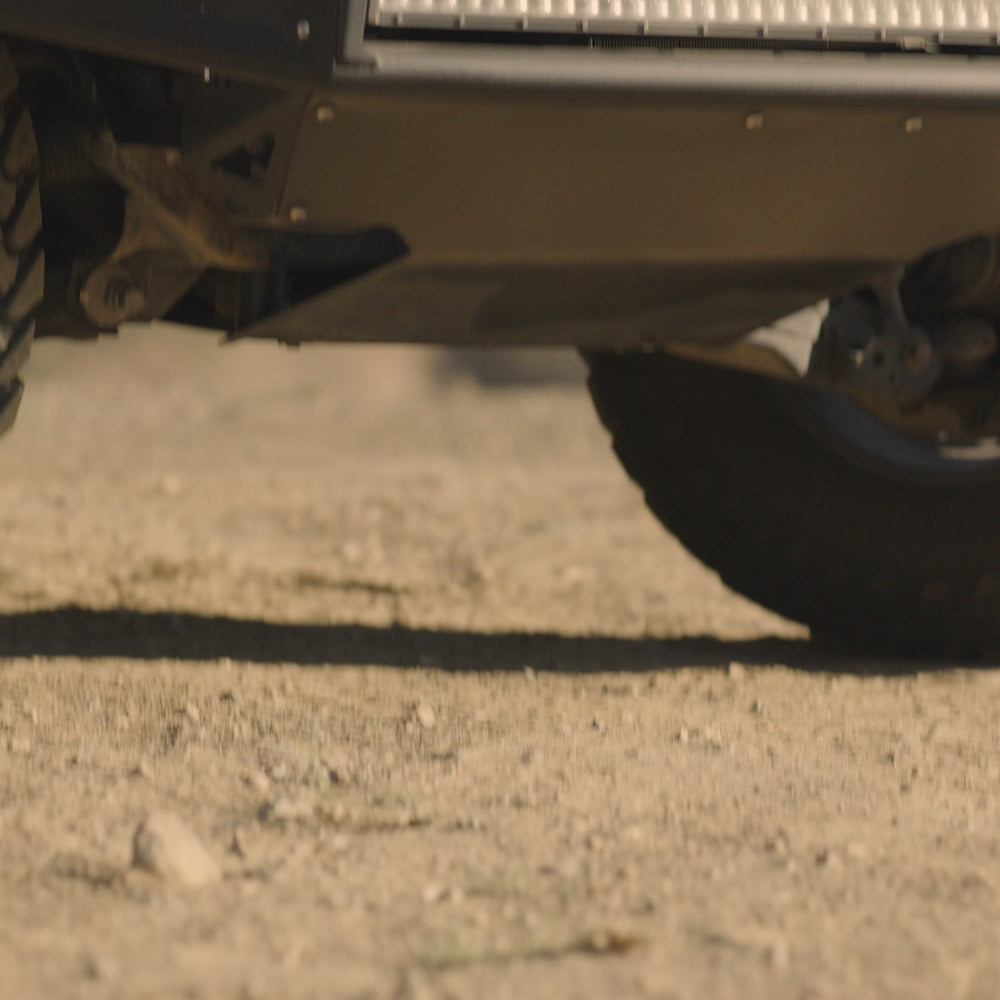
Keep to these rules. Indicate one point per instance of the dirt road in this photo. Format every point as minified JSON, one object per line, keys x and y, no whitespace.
{"x":449,"y":713}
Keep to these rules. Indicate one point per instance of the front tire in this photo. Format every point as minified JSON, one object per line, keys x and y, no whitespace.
{"x":887,"y":548}
{"x":22,"y":259}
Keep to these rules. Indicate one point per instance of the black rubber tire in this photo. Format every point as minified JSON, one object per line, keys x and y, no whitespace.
{"x":22,"y":259}
{"x":793,"y":518}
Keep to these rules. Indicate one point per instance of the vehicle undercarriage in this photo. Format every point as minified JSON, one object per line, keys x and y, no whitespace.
{"x":773,"y":232}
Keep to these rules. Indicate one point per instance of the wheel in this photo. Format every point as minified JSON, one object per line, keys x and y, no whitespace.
{"x":808,"y":505}
{"x":22,"y":260}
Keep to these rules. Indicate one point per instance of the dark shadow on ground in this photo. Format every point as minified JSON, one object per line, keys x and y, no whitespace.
{"x":138,"y":635}
{"x":500,"y":368}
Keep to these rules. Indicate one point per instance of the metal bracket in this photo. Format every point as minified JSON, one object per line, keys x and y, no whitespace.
{"x":172,"y":232}
{"x":866,"y":347}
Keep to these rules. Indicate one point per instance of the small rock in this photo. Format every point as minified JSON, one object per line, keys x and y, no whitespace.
{"x":142,"y":770}
{"x":99,"y":968}
{"x":575,"y":575}
{"x":777,"y":954}
{"x":413,"y":985}
{"x":603,"y":942}
{"x":236,"y":845}
{"x":530,"y":675}
{"x":829,"y":859}
{"x":258,"y":781}
{"x":737,"y":671}
{"x":171,"y":485}
{"x":278,"y":771}
{"x":856,"y":851}
{"x":713,"y":738}
{"x":434,"y":892}
{"x":425,"y":715}
{"x":777,"y":845}
{"x":287,"y":809}
{"x":165,"y":846}
{"x":471,"y":823}
{"x":683,"y":736}
{"x":338,"y":843}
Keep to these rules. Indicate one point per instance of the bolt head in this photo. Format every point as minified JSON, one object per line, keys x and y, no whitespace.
{"x":917,"y":354}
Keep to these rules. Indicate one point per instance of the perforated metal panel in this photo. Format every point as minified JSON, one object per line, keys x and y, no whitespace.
{"x":914,"y":22}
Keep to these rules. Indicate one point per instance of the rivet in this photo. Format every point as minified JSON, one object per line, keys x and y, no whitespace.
{"x":755,"y":121}
{"x":913,"y":124}
{"x":298,"y":213}
{"x":303,"y":29}
{"x":325,"y":114}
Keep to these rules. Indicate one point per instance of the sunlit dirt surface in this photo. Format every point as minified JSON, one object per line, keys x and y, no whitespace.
{"x":454,"y":716}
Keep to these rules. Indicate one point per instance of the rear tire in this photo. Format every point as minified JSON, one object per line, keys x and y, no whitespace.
{"x":877,"y":550}
{"x":22,"y":259}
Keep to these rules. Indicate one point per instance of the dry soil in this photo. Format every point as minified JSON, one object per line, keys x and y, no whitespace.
{"x":450,"y":714}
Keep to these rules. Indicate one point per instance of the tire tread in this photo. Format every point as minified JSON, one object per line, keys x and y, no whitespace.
{"x":22,"y":256}
{"x":794,"y":525}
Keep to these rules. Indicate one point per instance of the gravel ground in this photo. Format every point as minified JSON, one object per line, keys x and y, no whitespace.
{"x":352,"y":673}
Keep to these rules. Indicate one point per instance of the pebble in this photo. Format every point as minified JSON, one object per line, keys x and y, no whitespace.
{"x":258,"y":781}
{"x":286,"y":808}
{"x":426,"y":716}
{"x":99,"y":967}
{"x":191,"y":711}
{"x":413,"y":985}
{"x":603,"y":942}
{"x":171,"y":485}
{"x":144,"y":769}
{"x":857,"y":851}
{"x":278,"y":771}
{"x":165,"y":846}
{"x":778,"y":954}
{"x":237,"y":846}
{"x":737,"y":671}
{"x":713,"y":738}
{"x":434,"y":892}
{"x":473,"y":823}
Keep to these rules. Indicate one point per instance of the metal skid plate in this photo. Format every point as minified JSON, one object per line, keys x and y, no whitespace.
{"x":568,"y":218}
{"x":293,"y":40}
